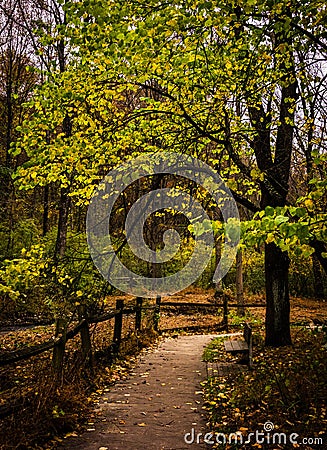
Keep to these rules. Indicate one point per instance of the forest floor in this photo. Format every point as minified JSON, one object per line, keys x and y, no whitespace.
{"x":285,"y":394}
{"x":59,"y":413}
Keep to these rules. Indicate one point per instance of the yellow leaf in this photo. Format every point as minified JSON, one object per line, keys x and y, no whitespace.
{"x":309,"y":204}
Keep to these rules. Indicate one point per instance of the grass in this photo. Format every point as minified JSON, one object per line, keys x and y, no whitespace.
{"x":235,"y":320}
{"x":287,"y":386}
{"x":213,"y":351}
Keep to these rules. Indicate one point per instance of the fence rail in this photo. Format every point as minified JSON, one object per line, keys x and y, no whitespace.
{"x":83,"y":326}
{"x":211,"y":305}
{"x":26,"y":353}
{"x":58,"y":343}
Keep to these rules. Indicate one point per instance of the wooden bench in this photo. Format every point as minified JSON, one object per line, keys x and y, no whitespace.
{"x":243,"y":346}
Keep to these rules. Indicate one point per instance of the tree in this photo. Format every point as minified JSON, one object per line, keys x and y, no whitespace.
{"x":228,"y":79}
{"x":16,"y":86}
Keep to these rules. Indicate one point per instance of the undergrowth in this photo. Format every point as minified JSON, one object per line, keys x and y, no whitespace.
{"x":287,"y":387}
{"x":48,"y":409}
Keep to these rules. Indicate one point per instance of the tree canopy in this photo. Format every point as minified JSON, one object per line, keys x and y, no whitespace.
{"x":240,"y":85}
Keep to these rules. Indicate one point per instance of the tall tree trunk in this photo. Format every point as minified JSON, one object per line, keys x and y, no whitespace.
{"x":45,"y":224}
{"x":277,"y":297}
{"x":274,"y":193}
{"x":277,"y":262}
{"x":219,"y":284}
{"x":64,"y":203}
{"x":320,"y":248}
{"x":317,"y":278}
{"x":239,"y":284}
{"x":9,"y":106}
{"x":61,"y":240}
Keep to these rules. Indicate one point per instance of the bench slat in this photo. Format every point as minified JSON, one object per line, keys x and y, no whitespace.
{"x":228,"y":346}
{"x":236,"y":346}
{"x":243,"y":346}
{"x":240,"y":346}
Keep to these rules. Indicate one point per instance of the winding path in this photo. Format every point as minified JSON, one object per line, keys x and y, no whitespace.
{"x":156,"y":406}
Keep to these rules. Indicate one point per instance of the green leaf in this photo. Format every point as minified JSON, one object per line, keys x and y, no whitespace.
{"x":281,"y":219}
{"x":269,"y":211}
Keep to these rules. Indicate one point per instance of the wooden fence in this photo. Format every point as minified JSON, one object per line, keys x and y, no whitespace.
{"x":62,"y":335}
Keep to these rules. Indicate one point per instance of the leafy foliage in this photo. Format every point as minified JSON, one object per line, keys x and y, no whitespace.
{"x":22,"y":280}
{"x":287,"y":387}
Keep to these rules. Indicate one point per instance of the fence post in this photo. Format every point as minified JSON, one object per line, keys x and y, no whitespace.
{"x":225,"y":308}
{"x":118,"y":325}
{"x":156,"y":314}
{"x":59,"y":348}
{"x":85,"y":337}
{"x":138,"y":313}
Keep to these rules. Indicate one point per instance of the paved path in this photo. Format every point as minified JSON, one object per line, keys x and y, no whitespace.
{"x":156,"y":405}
